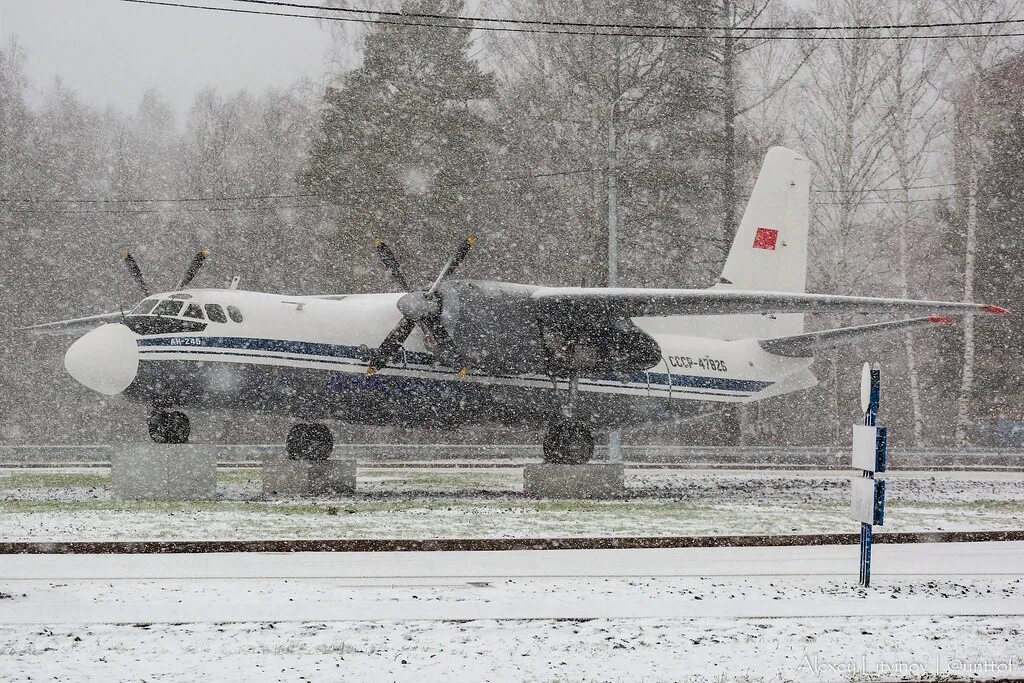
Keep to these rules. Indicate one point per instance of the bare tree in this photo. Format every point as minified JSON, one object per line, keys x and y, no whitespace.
{"x":914,"y":125}
{"x":729,"y":52}
{"x":629,"y":106}
{"x":842,"y":106}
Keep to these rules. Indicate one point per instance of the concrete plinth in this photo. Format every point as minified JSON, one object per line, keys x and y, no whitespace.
{"x":593,"y":480}
{"x":164,"y":472}
{"x":301,"y":478}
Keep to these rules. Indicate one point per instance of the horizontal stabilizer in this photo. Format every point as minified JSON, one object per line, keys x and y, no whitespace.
{"x":72,"y":326}
{"x":804,"y":345}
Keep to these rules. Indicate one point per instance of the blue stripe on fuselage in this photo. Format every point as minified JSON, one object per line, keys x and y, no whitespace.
{"x":660,"y":380}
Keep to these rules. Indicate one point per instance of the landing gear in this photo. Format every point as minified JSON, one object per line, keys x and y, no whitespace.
{"x":309,"y":442}
{"x":169,"y":426}
{"x":568,"y":442}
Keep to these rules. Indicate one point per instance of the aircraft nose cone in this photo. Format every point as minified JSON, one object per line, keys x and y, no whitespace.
{"x":105,"y":360}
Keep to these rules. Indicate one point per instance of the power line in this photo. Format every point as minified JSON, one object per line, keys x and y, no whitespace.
{"x":139,"y":200}
{"x":173,"y":200}
{"x":890,"y":202}
{"x":639,"y":27}
{"x":569,"y":32}
{"x":135,"y":212}
{"x":156,"y":200}
{"x":893,"y":189}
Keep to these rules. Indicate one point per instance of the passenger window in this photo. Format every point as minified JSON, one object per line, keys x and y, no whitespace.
{"x":194,"y":311}
{"x":235,"y":314}
{"x":215,"y":313}
{"x":168,"y":307}
{"x":145,"y":307}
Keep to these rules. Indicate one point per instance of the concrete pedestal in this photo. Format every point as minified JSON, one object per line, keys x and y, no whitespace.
{"x":302,"y":478}
{"x":594,"y":480}
{"x":164,"y":472}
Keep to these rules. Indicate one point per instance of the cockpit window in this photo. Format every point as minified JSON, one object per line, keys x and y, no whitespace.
{"x":216,"y":313}
{"x":194,"y":311}
{"x":235,"y":314}
{"x":151,"y":324}
{"x":168,"y":307}
{"x":145,"y":307}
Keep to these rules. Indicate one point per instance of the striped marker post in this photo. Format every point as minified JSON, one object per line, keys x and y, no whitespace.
{"x":869,"y":456}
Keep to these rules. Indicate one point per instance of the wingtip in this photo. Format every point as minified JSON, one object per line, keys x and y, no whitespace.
{"x":995,"y":310}
{"x":941,"y":320}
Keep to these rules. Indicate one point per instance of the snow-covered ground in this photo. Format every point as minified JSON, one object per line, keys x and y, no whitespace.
{"x":950,"y":611}
{"x":465,"y":502}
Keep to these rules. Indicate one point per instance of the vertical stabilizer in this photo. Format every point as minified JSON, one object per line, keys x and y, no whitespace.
{"x":769,"y":253}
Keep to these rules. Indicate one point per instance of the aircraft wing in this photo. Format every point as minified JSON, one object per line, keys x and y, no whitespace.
{"x":72,"y":326}
{"x":636,"y":303}
{"x":804,"y":345}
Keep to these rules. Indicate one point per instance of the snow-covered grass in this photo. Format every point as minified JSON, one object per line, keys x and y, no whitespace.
{"x":837,"y":649}
{"x":467,"y":502}
{"x":825,"y":648}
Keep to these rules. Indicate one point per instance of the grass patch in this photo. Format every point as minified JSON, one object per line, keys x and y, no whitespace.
{"x":365,"y":507}
{"x":31,"y":479}
{"x":966,"y":506}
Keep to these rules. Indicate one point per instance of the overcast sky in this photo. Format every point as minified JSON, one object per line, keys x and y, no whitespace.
{"x":111,"y":52}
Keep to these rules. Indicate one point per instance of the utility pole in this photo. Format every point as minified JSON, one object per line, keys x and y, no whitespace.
{"x":615,"y":435}
{"x":613,"y":199}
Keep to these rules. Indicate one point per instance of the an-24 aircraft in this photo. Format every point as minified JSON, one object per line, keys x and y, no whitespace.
{"x":468,"y":351}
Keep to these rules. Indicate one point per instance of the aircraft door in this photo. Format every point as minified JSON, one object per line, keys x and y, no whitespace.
{"x":659,"y":380}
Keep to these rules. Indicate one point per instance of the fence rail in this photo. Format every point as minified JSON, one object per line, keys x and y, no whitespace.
{"x":338,"y":545}
{"x":823,"y":457}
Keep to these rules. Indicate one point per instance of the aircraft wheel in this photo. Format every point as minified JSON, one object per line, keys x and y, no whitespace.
{"x":568,"y":442}
{"x":309,"y":442}
{"x":169,"y":426}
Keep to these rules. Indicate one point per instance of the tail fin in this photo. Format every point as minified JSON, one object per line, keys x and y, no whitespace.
{"x":769,"y":252}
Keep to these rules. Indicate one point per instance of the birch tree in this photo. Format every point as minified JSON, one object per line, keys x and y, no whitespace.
{"x":840,"y":130}
{"x":914,"y":124}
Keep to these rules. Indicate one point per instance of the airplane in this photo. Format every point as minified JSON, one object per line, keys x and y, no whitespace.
{"x":572,"y":359}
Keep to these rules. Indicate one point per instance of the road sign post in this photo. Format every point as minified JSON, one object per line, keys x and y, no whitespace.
{"x":867,"y":492}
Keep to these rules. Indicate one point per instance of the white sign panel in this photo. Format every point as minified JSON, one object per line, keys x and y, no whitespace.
{"x":865,"y":499}
{"x":867,"y":454}
{"x":865,"y":388}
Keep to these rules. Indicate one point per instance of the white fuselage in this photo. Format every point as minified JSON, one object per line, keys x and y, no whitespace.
{"x":308,"y":356}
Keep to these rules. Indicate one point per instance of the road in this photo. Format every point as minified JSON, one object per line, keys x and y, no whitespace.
{"x":920,"y":579}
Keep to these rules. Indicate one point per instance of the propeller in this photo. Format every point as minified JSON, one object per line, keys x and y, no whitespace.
{"x":197,"y":262}
{"x":190,"y":273}
{"x":133,"y":269}
{"x":419,"y":309}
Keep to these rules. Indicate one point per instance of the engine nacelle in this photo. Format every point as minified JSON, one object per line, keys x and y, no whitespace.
{"x":497,"y":327}
{"x":493,"y":325}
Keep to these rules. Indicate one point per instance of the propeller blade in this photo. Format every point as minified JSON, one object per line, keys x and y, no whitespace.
{"x":136,"y":272}
{"x":389,"y":347}
{"x":453,"y":262}
{"x":443,"y":344}
{"x":387,"y":257}
{"x":193,"y":268}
